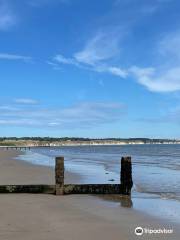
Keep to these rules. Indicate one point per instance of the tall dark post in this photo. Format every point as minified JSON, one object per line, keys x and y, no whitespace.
{"x":59,"y":175}
{"x":126,"y":175}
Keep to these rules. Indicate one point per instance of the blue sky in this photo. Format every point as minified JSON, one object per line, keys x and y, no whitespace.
{"x":108,"y":68}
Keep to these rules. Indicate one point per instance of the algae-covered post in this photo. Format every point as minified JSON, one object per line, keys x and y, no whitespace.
{"x":126,"y":175}
{"x":59,"y":175}
{"x":59,"y":188}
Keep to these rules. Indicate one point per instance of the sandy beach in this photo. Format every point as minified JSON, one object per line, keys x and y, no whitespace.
{"x":18,"y":172}
{"x":81,"y":217}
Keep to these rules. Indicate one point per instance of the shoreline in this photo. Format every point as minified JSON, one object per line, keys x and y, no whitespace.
{"x":112,"y":218}
{"x":70,"y":177}
{"x":26,"y":171}
{"x":86,"y":144}
{"x":141,"y":200}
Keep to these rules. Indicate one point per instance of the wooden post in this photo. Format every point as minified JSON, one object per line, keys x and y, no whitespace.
{"x":126,"y":175}
{"x":59,"y":175}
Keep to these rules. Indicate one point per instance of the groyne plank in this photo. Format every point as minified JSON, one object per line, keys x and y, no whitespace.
{"x":27,"y":189}
{"x":92,"y":189}
{"x":68,"y":189}
{"x":59,"y":188}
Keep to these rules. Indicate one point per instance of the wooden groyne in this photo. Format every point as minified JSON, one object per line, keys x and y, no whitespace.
{"x":15,"y":148}
{"x":123,"y":188}
{"x":60,"y":188}
{"x":49,"y":189}
{"x":23,"y":147}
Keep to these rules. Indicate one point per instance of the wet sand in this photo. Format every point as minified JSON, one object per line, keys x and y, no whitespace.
{"x":14,"y":171}
{"x":81,"y":217}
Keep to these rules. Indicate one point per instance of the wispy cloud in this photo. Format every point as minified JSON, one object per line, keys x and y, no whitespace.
{"x":97,"y":51}
{"x":61,"y":59}
{"x":7,"y":56}
{"x":83,"y":115}
{"x":27,"y":101}
{"x":99,"y":67}
{"x":157,"y":80}
{"x":165,"y":76}
{"x":7,"y":17}
{"x":169,"y":46}
{"x":103,"y":53}
{"x":142,"y":7}
{"x":117,"y":71}
{"x":171,"y":115}
{"x":103,"y":46}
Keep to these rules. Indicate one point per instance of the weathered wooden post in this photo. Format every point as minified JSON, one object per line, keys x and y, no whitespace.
{"x":59,"y":175}
{"x":126,"y":175}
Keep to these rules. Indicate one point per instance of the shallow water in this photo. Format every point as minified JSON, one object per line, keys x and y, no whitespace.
{"x":156,"y":171}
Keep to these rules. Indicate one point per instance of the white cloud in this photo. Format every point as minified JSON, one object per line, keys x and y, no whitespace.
{"x":118,"y":71}
{"x":61,"y":59}
{"x":164,"y":77}
{"x":156,"y":80}
{"x":7,"y":56}
{"x":26,"y":101}
{"x":98,"y":50}
{"x":19,"y":122}
{"x":84,"y":115}
{"x":8,"y":108}
{"x":103,"y":46}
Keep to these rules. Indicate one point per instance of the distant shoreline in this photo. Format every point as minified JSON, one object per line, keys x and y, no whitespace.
{"x":75,"y":141}
{"x":74,"y":144}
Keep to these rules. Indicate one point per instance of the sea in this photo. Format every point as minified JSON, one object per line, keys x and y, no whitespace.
{"x":155,"y":169}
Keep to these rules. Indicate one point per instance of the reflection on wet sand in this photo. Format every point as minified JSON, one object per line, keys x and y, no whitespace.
{"x":125,"y":201}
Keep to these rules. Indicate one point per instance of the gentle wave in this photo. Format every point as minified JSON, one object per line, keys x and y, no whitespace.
{"x":155,"y":167}
{"x":155,"y":171}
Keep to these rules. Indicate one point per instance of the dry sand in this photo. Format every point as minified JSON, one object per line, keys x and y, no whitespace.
{"x":70,"y":217}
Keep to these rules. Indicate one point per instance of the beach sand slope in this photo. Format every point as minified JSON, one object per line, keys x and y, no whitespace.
{"x":71,"y":217}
